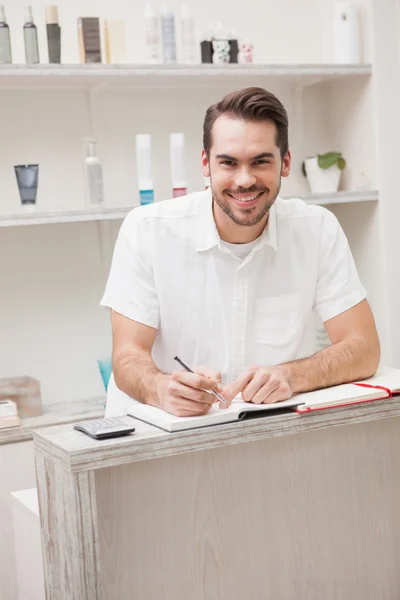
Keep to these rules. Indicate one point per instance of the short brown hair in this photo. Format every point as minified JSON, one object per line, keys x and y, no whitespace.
{"x":249,"y":104}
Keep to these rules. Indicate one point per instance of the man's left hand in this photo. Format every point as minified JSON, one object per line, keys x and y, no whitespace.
{"x":260,"y":385}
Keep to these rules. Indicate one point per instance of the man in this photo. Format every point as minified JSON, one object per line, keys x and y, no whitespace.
{"x":227,"y":279}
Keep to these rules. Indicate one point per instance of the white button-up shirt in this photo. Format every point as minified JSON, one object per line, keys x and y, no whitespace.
{"x":171,"y":271}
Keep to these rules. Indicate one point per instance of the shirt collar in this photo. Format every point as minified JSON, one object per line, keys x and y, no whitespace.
{"x":207,"y":233}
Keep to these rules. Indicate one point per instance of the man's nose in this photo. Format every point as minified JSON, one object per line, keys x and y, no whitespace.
{"x":244,"y":178}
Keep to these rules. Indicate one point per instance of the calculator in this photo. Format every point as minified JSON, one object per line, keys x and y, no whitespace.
{"x":100,"y":429}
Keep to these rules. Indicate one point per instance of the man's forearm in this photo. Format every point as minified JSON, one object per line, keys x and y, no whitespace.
{"x":345,"y":361}
{"x":137,"y":375}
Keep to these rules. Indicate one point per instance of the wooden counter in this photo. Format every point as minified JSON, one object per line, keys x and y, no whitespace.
{"x":284,"y":507}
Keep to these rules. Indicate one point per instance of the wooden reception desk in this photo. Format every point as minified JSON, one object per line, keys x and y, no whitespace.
{"x":286,"y":507}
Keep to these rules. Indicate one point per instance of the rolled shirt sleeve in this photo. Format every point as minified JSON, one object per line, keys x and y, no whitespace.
{"x":338,"y":287}
{"x":130,"y":288}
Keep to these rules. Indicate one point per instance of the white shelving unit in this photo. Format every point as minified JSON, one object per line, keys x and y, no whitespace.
{"x":110,"y":214}
{"x":59,"y":272}
{"x":147,"y":76}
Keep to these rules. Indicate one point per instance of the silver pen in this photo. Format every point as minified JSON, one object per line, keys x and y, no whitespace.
{"x":220,"y":398}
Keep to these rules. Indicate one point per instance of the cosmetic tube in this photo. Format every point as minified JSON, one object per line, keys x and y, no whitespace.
{"x":188,"y":34}
{"x":27,"y":180}
{"x":89,"y":40}
{"x":177,"y":156}
{"x":30,"y":39}
{"x":143,"y":165}
{"x":168,"y":36}
{"x":152,"y":35}
{"x":115,"y":41}
{"x":5,"y":42}
{"x":93,"y":175}
{"x":53,"y":35}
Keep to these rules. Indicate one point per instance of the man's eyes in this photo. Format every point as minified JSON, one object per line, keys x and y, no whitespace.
{"x":231,"y":163}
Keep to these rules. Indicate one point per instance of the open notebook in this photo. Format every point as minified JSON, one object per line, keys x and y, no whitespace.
{"x":237,"y":411}
{"x":384,"y":384}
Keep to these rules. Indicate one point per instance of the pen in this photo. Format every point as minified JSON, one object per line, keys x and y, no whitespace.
{"x":220,"y":398}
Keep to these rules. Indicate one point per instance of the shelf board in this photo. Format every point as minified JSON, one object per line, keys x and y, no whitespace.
{"x":106,"y":214}
{"x":342,"y":197}
{"x":170,"y":76}
{"x":66,"y":216}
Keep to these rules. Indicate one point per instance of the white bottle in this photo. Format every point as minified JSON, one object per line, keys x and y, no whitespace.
{"x":347,"y":44}
{"x":188,"y":33}
{"x":143,"y":166}
{"x":93,"y":175}
{"x":177,"y":158}
{"x":30,"y":38}
{"x":152,"y":35}
{"x":168,"y":36}
{"x":5,"y":43}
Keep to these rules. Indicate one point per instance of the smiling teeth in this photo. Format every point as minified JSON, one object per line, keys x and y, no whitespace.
{"x":247,"y":199}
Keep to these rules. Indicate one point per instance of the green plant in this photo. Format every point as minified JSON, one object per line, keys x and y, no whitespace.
{"x":327,"y":160}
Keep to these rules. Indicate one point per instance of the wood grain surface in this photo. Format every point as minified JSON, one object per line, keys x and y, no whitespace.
{"x":68,"y":521}
{"x":78,"y":452}
{"x":311,"y":516}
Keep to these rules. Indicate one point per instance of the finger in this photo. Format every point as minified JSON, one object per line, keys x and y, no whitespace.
{"x":182,"y":391}
{"x":283,"y":392}
{"x":194,"y":380}
{"x":259,"y":381}
{"x":266,"y":392}
{"x":233,"y":390}
{"x":187,"y":408}
{"x":211,"y":373}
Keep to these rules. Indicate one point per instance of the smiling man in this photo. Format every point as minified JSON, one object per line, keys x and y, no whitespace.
{"x":227,"y":279}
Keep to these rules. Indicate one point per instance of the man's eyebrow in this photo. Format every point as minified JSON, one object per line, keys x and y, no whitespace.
{"x":258,"y":157}
{"x":264,"y":155}
{"x":226,"y":157}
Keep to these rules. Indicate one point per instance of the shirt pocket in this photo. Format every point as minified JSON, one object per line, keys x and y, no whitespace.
{"x":278,"y":319}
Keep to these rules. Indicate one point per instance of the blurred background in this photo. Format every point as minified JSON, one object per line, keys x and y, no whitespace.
{"x":328,"y":62}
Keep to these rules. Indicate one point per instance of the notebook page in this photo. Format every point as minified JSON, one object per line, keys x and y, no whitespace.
{"x":385,"y":377}
{"x":338,"y":394}
{"x":216,"y":415}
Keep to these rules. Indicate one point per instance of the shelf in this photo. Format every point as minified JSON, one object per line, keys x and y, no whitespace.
{"x":121,"y":212}
{"x":22,"y":77}
{"x":342,"y":197}
{"x":66,"y":216}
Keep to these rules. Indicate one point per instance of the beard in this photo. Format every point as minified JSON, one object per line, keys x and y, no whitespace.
{"x":251,"y":216}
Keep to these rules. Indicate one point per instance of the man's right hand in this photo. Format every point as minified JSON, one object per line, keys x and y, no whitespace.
{"x":183,"y":393}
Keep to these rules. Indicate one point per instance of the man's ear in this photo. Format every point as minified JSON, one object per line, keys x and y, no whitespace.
{"x":286,"y":164}
{"x":205,"y":167}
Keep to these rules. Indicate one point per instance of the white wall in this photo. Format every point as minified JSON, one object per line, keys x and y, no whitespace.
{"x":53,"y":276}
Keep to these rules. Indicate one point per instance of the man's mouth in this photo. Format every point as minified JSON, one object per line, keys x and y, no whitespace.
{"x":246,"y":199}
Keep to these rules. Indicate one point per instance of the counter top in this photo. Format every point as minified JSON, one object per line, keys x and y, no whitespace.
{"x":80,"y":453}
{"x":54,"y":414}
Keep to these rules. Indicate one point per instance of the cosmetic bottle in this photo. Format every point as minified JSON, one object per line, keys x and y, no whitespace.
{"x":5,"y":42}
{"x":152,"y":35}
{"x":233,"y":51}
{"x":89,"y":40}
{"x":143,"y":165}
{"x":93,"y":175}
{"x":188,"y":36}
{"x":115,"y":41}
{"x":206,"y":49}
{"x":30,"y":39}
{"x":53,"y":34}
{"x":177,"y":157}
{"x":347,"y":46}
{"x":27,"y":180}
{"x":168,"y":35}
